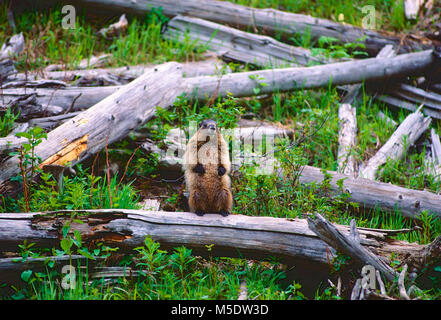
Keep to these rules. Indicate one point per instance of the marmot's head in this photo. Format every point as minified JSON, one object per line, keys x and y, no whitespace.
{"x":208,"y":127}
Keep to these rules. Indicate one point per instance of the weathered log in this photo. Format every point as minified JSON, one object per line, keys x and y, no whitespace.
{"x":348,"y":244}
{"x":115,"y":29}
{"x":412,"y":7}
{"x":233,"y":44}
{"x":8,"y":51}
{"x":62,"y":98}
{"x":6,"y":69}
{"x":12,"y":47}
{"x":281,"y":80}
{"x":347,"y":140}
{"x":270,"y":21}
{"x":432,"y":162}
{"x":233,"y":236}
{"x":118,"y":76}
{"x":430,"y":100}
{"x":87,"y":63}
{"x":372,"y":194}
{"x":401,"y":103}
{"x":347,"y":137}
{"x":405,"y":136}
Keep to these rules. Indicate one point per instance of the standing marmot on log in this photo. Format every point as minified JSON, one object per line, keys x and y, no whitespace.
{"x":207,"y":165}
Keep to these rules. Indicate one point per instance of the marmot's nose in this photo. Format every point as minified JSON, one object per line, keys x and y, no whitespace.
{"x":212,"y":127}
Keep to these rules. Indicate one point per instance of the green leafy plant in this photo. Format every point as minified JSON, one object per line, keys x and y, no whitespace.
{"x":7,"y":122}
{"x":28,"y":160}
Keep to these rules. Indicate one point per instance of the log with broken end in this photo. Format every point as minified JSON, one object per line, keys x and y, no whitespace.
{"x":347,"y":140}
{"x":347,"y":137}
{"x":237,"y":45}
{"x":118,"y":76}
{"x":348,"y":244}
{"x":405,"y":136}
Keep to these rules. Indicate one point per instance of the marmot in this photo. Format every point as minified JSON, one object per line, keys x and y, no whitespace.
{"x":207,"y":165}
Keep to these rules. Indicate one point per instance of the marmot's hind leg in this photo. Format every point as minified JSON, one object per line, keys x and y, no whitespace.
{"x":223,"y":202}
{"x":197,"y":202}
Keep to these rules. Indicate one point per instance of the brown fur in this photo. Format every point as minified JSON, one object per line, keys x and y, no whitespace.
{"x":208,"y":192}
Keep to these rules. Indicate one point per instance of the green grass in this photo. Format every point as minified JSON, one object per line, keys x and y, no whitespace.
{"x":389,"y":13}
{"x":48,"y":43}
{"x":165,"y":275}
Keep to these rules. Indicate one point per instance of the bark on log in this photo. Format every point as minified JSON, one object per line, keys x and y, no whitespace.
{"x":236,"y":45}
{"x":233,"y":236}
{"x":270,"y":21}
{"x":405,"y":136}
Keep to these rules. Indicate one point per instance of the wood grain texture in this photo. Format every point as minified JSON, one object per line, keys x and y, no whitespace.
{"x":236,"y":45}
{"x":232,"y":236}
{"x":405,"y":136}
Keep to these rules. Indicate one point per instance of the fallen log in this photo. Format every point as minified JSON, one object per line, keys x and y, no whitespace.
{"x":347,"y":137}
{"x":61,"y":98}
{"x":347,"y":140}
{"x":412,"y":7}
{"x":432,"y":161}
{"x":269,"y":21}
{"x":378,"y":195}
{"x":281,"y":80}
{"x":405,"y":136}
{"x":8,"y":51}
{"x":416,"y":95}
{"x":233,"y":236}
{"x":233,"y":44}
{"x":348,"y":244}
{"x":117,"y":76}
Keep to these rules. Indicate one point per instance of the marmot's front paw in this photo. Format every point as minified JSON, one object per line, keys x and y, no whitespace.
{"x":221,"y":171}
{"x":200,"y":213}
{"x":224,"y":213}
{"x":199,"y":169}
